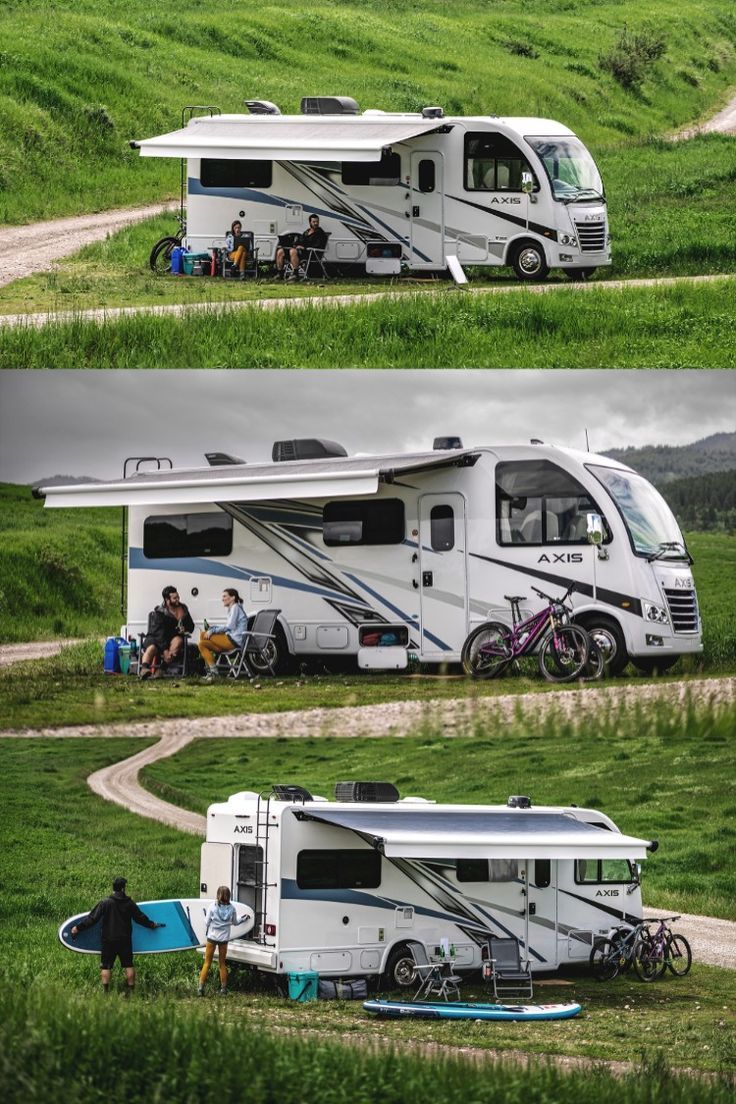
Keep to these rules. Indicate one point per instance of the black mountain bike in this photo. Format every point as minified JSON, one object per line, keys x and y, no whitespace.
{"x":160,"y":258}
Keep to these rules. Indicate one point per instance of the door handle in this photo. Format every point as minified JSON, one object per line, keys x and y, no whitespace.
{"x":427,"y":579}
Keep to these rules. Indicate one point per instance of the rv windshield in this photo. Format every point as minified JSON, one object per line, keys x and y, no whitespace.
{"x":650,"y":522}
{"x":572,"y":172}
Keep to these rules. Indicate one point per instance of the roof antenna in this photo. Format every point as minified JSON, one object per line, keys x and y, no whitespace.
{"x":587,"y":443}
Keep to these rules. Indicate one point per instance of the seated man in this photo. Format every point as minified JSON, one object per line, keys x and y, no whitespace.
{"x":167,"y":624}
{"x":237,"y":244}
{"x":313,"y":237}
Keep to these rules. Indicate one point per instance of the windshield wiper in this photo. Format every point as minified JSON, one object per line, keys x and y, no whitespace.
{"x":670,"y":546}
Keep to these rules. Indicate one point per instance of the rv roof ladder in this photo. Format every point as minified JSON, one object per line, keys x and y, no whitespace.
{"x":263,"y":835}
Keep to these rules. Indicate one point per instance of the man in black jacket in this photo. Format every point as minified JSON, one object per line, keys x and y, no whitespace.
{"x":167,"y":624}
{"x":117,"y":912}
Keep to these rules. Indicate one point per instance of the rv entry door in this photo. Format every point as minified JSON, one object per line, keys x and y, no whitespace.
{"x":427,"y":210}
{"x":442,"y":573}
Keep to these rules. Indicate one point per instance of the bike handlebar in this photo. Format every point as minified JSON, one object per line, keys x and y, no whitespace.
{"x":555,"y":601}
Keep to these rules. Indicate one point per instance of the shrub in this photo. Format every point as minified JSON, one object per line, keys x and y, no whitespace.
{"x":630,"y":59}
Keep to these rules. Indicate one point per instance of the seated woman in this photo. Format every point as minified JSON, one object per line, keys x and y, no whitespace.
{"x":223,"y":638}
{"x":237,"y":244}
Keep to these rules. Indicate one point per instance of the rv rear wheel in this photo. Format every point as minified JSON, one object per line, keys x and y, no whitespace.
{"x":609,"y":639}
{"x":277,"y":658}
{"x":529,"y":262}
{"x":400,"y":972}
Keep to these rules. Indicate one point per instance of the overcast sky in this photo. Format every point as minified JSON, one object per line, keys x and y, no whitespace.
{"x":87,"y":422}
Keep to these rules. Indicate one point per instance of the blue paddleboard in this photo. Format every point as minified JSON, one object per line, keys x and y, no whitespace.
{"x":456,"y":1010}
{"x":185,"y":921}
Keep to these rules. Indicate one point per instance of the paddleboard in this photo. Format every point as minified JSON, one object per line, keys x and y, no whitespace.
{"x":185,"y":921}
{"x":456,"y":1010}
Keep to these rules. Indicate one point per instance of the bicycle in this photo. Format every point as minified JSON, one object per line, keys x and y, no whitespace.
{"x":563,"y":648}
{"x":666,"y":950}
{"x":160,"y":258}
{"x":619,"y":951}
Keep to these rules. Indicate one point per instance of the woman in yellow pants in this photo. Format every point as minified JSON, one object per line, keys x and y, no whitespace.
{"x":220,"y":918}
{"x":223,"y":638}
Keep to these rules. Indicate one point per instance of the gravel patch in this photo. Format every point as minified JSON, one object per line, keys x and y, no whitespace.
{"x":40,"y":649}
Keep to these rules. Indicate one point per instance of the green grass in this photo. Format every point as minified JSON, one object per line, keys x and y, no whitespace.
{"x":62,"y":845}
{"x":78,"y":81}
{"x":682,"y":326}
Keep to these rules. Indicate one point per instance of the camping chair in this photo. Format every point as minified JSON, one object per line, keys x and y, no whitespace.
{"x":256,"y":652}
{"x":511,"y":975}
{"x":434,"y":977}
{"x":229,"y":269}
{"x":316,"y":257}
{"x":177,"y":669}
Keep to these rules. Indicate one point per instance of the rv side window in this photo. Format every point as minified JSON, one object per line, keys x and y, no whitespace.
{"x":538,"y":502}
{"x":383,"y":172}
{"x":494,"y":164}
{"x":235,"y":174}
{"x":542,"y":873}
{"x":173,"y":535}
{"x":600,"y":871}
{"x":426,"y":175}
{"x":472,"y":870}
{"x":338,"y":869}
{"x":442,"y":528}
{"x":363,"y":522}
{"x":250,"y":860}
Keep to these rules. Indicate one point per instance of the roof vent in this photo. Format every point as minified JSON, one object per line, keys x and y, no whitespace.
{"x":309,"y":448}
{"x":221,"y":459}
{"x":262,"y":107}
{"x":373,"y":792}
{"x":433,"y":113}
{"x":442,"y":443}
{"x":291,"y":793}
{"x":518,"y":801}
{"x":329,"y":105}
{"x":536,"y":441}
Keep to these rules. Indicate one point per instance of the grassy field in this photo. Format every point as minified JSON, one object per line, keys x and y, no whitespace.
{"x":62,"y":847}
{"x":683,"y":326}
{"x":77,"y":81}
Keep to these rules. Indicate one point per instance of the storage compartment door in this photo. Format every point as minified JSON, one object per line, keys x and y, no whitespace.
{"x":442,"y":573}
{"x":215,"y":868}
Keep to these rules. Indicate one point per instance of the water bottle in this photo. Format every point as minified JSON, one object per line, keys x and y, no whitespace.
{"x":452,"y":950}
{"x":133,"y":646}
{"x":206,"y":625}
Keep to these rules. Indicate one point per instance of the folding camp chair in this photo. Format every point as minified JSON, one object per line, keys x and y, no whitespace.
{"x":316,"y":258}
{"x":511,"y":975}
{"x":229,"y":269}
{"x":257,"y":654}
{"x":435,"y":978}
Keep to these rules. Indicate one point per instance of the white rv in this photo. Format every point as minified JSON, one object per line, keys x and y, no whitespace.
{"x":381,"y":558}
{"x":340,"y":887}
{"x":424,"y":189}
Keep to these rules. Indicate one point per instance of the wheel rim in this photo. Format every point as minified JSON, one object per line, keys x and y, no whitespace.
{"x":261,"y":663}
{"x":605,"y":641}
{"x":529,"y":261}
{"x":487,"y":653}
{"x":404,"y":972}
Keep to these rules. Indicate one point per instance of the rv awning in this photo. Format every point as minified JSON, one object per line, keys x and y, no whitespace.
{"x":481,"y":834}
{"x":333,"y":477}
{"x":286,"y":138}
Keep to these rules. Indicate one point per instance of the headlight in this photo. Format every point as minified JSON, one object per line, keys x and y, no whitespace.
{"x":655,"y":613}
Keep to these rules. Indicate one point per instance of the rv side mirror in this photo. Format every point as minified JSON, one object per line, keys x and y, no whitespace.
{"x":595,"y":528}
{"x":527,"y":183}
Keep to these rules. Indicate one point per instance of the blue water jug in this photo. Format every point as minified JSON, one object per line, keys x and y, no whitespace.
{"x":176,"y":255}
{"x":112,"y":654}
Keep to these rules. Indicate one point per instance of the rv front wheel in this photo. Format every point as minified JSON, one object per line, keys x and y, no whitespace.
{"x":529,"y":262}
{"x":609,"y":639}
{"x":400,"y":969}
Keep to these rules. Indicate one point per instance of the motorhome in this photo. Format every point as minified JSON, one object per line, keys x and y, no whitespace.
{"x":341,"y":886}
{"x":425,"y":190}
{"x":378,"y":559}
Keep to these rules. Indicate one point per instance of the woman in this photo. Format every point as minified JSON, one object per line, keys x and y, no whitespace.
{"x":223,"y":638}
{"x":236,"y":244}
{"x":220,"y":918}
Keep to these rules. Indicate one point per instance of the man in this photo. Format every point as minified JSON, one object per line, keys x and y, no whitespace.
{"x":314,"y":237}
{"x":117,"y":913}
{"x":167,"y":624}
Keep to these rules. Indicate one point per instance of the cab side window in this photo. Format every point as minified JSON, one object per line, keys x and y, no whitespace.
{"x":494,"y":164}
{"x":539,"y":503}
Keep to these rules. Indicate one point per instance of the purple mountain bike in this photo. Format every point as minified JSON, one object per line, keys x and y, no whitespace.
{"x":565,"y":651}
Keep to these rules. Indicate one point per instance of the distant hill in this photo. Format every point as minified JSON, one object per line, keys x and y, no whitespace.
{"x":662,"y":464}
{"x":704,"y":501}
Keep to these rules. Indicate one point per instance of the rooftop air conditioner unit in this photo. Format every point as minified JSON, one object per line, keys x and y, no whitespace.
{"x":329,"y":105}
{"x":310,"y":448}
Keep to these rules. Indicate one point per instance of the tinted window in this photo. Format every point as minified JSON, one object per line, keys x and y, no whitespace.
{"x":599,"y":871}
{"x":542,"y":872}
{"x":338,"y":869}
{"x":442,"y":528}
{"x":539,"y":503}
{"x":177,"y":535}
{"x":426,"y":181}
{"x":370,"y":522}
{"x":250,"y":866}
{"x":385,"y":171}
{"x":235,"y":174}
{"x":494,"y":164}
{"x":487,"y":870}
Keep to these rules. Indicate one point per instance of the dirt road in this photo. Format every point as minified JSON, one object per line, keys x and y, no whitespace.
{"x":40,"y":649}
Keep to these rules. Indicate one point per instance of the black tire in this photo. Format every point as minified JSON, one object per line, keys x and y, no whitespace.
{"x":479,"y":664}
{"x":604,"y":960}
{"x":400,"y":969}
{"x":654,"y":665}
{"x":579,"y":273}
{"x":160,"y":258}
{"x":529,"y":262}
{"x":564,"y":654}
{"x":679,"y":956}
{"x":608,"y":637}
{"x":277,"y":659}
{"x":649,"y":961}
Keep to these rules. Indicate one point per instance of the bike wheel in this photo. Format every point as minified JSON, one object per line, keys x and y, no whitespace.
{"x":160,"y":258}
{"x":679,"y":957}
{"x":487,"y":651}
{"x":605,"y":960}
{"x":649,"y":961}
{"x":595,"y":666}
{"x":564,"y":653}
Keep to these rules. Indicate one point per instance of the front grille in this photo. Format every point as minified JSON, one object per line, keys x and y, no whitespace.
{"x":592,"y":236}
{"x":683,"y":607}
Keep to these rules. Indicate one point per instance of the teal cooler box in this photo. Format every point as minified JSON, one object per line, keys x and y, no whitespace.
{"x":303,"y":986}
{"x":124,"y":658}
{"x":196,"y":264}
